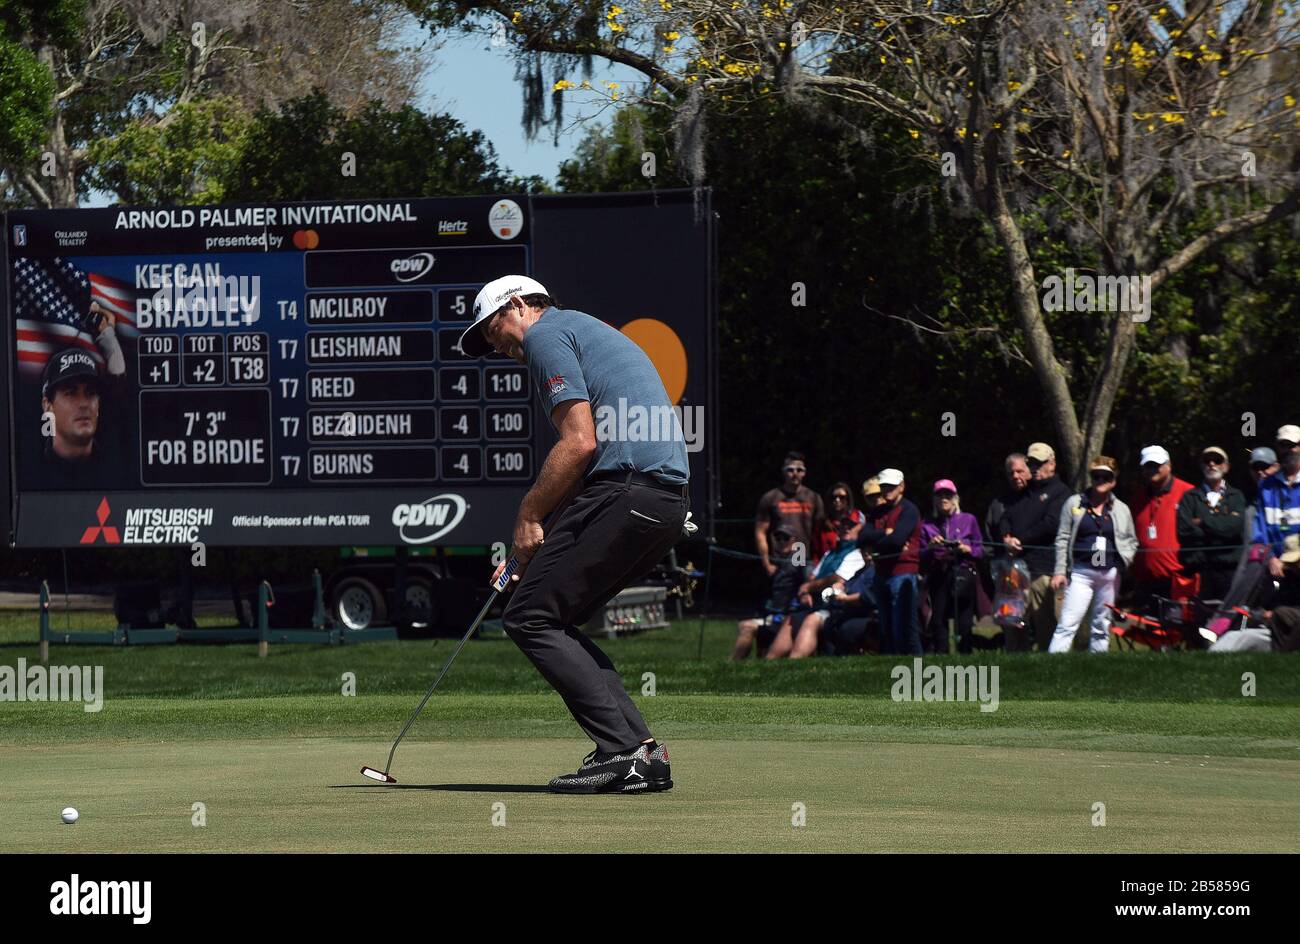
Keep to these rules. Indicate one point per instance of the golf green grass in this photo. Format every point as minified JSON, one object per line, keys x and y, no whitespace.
{"x":1181,"y":759}
{"x":304,"y":795}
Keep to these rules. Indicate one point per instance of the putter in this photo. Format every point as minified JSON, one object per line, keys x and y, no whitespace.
{"x":383,"y":776}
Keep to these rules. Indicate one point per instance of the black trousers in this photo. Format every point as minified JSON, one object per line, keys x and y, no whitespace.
{"x":1215,"y":582}
{"x":950,"y":599}
{"x":612,"y":534}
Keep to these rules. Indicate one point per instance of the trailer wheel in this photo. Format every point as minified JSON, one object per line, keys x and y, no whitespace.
{"x":357,"y":604}
{"x":419,"y":601}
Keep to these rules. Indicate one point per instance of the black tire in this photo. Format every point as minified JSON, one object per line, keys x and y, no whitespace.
{"x":419,"y":601}
{"x":356,"y":603}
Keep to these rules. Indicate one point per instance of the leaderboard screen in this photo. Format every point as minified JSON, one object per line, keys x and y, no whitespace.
{"x":265,"y":375}
{"x":289,"y":374}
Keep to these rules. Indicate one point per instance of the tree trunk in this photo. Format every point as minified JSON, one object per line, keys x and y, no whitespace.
{"x":1038,"y":342}
{"x":63,"y":188}
{"x":1105,"y":388}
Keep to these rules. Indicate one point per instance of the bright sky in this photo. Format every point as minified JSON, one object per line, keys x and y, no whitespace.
{"x":475,"y":82}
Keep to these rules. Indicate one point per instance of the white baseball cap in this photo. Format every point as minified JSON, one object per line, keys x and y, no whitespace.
{"x":1156,"y":454}
{"x":1288,"y":433}
{"x":490,"y":298}
{"x":888,"y":478}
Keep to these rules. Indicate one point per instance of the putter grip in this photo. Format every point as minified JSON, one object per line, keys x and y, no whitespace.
{"x":511,"y":566}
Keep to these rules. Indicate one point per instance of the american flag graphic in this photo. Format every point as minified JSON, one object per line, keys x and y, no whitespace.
{"x":51,"y":297}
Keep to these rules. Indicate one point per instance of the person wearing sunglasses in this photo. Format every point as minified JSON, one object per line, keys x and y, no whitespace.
{"x":1095,"y":542}
{"x":1212,"y":527}
{"x":1263,"y":463}
{"x":1158,"y":571}
{"x":793,"y":506}
{"x":839,"y":507}
{"x":892,"y":539}
{"x":1277,"y":507}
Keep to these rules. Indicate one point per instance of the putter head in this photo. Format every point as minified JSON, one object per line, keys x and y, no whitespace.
{"x":377,"y":775}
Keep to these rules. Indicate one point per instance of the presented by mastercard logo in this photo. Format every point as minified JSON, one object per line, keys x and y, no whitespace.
{"x":306,"y":239}
{"x":665,"y":350}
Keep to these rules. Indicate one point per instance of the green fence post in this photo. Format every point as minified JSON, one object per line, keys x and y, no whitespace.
{"x":318,"y":610}
{"x":45,"y":622}
{"x":264,"y":600}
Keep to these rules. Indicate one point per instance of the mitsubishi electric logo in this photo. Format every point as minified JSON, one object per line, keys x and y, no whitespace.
{"x":412,"y":267}
{"x":150,"y":525}
{"x":92,"y":533}
{"x":429,"y":520}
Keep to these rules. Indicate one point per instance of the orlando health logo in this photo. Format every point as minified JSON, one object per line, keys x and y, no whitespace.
{"x":92,"y":533}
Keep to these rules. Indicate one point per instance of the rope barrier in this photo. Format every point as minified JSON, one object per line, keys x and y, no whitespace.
{"x":722,"y":551}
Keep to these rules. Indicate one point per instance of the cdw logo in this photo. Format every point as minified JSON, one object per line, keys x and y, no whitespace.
{"x":412,"y":267}
{"x":110,"y":533}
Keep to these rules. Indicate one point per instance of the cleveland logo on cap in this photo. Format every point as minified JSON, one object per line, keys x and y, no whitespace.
{"x":499,"y":299}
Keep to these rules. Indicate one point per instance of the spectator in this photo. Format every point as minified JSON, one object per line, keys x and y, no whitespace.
{"x":1263,"y":463}
{"x":870,"y":494}
{"x":1158,"y":570}
{"x":1028,"y":528}
{"x":839,"y":504}
{"x":794,"y":505}
{"x":950,"y":542}
{"x":1094,"y":542}
{"x":1018,"y":478}
{"x":782,"y":598}
{"x":836,"y":567}
{"x":1212,"y":527}
{"x":892,"y":535}
{"x":1277,"y":626}
{"x":853,"y":611}
{"x":1277,"y":507}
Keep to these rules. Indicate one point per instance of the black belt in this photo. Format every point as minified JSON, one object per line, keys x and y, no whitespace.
{"x":638,"y":478}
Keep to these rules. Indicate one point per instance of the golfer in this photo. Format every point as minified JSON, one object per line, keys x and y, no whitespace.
{"x":626,"y":505}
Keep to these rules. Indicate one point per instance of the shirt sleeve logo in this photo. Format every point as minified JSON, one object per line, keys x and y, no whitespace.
{"x":556,"y":384}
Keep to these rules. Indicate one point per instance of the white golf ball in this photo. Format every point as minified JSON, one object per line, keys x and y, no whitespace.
{"x":69,"y":815}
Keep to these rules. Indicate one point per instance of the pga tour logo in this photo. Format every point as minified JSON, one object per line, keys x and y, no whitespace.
{"x":412,"y":267}
{"x":76,"y":897}
{"x":430,"y":519}
{"x":20,"y":235}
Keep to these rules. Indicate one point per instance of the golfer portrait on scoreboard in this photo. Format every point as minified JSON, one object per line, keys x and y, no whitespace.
{"x":627,"y":503}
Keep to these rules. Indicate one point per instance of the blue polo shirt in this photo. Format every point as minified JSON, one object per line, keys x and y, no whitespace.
{"x":573,"y":356}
